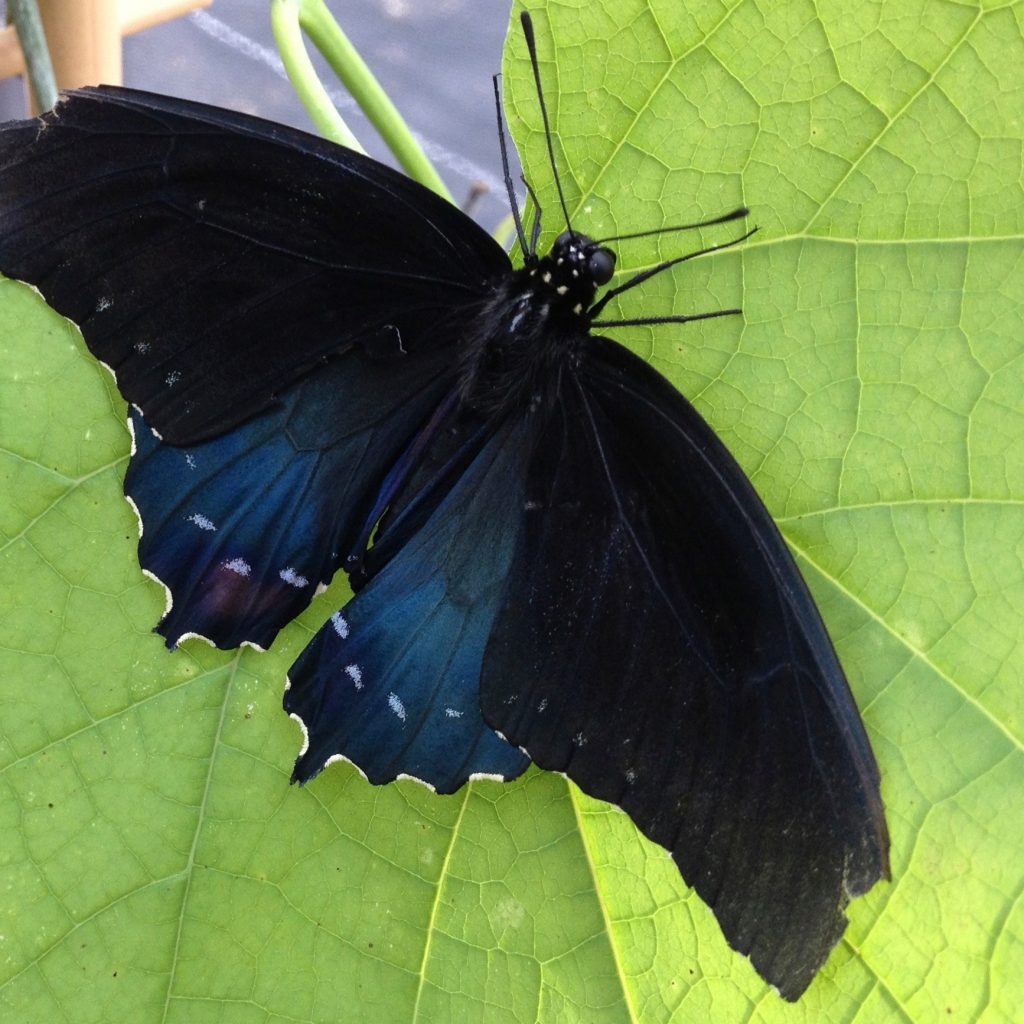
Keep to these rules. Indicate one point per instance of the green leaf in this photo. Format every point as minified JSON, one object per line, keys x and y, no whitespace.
{"x":157,"y":867}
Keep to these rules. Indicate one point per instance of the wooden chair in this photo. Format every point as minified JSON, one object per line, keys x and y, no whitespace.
{"x":84,"y":36}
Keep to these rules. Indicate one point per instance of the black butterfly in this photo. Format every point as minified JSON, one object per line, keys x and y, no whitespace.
{"x":554,"y":557}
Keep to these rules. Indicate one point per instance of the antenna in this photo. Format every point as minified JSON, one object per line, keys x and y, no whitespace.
{"x":682,"y":318}
{"x":537,"y":214}
{"x":736,"y":214}
{"x":657,"y":269}
{"x":531,"y":45}
{"x":528,"y":253}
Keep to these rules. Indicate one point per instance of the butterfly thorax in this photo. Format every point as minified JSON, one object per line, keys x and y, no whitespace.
{"x":536,"y":322}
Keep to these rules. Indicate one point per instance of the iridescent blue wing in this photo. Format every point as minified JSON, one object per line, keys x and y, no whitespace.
{"x":282,"y":314}
{"x":211,"y":258}
{"x":658,"y":645}
{"x":242,"y":528}
{"x":392,"y":681}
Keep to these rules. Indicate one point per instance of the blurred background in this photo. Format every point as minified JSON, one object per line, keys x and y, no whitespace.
{"x":435,"y":59}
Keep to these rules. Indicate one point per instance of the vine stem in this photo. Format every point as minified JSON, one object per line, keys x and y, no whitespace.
{"x":29,"y":26}
{"x":290,"y":19}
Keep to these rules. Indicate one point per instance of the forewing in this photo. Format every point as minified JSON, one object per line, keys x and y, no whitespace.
{"x":659,"y":646}
{"x":242,"y":529}
{"x":212,"y":258}
{"x":391,"y":682}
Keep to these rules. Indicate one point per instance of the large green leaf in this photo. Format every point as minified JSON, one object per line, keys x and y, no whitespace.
{"x":156,"y":866}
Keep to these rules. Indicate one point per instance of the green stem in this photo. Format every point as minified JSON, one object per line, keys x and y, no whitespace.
{"x":29,"y":26}
{"x":285,"y":21}
{"x":290,"y":18}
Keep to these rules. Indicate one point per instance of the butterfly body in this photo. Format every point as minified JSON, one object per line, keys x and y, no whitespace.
{"x":521,"y":340}
{"x":553,"y":557}
{"x":534,"y":325}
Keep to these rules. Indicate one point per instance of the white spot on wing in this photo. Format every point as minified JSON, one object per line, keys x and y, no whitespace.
{"x":302,"y":726}
{"x":142,"y":347}
{"x":104,"y":303}
{"x":452,"y":713}
{"x":289,"y":575}
{"x":356,"y":675}
{"x":201,"y":521}
{"x":422,"y":782}
{"x":239,"y":566}
{"x":138,"y":514}
{"x":172,"y":378}
{"x":396,"y":705}
{"x":542,"y":705}
{"x":305,"y":739}
{"x":335,"y":758}
{"x":168,"y":599}
{"x":194,"y":636}
{"x":339,"y":624}
{"x":190,"y":460}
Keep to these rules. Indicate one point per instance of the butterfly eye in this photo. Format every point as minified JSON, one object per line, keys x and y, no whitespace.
{"x":601,"y":265}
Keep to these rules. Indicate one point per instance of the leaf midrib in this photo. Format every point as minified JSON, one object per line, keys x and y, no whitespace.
{"x":189,"y":868}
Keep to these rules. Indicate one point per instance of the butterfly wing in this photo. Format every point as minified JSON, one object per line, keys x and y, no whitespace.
{"x":212,"y":258}
{"x":669,"y":659}
{"x":391,"y":682}
{"x":242,"y":528}
{"x":281,"y":312}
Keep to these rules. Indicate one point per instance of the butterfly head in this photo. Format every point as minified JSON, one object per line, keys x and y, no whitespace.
{"x":573,"y":271}
{"x":583,"y":257}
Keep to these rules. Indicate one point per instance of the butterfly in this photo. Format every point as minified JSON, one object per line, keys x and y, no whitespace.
{"x":553,"y":557}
